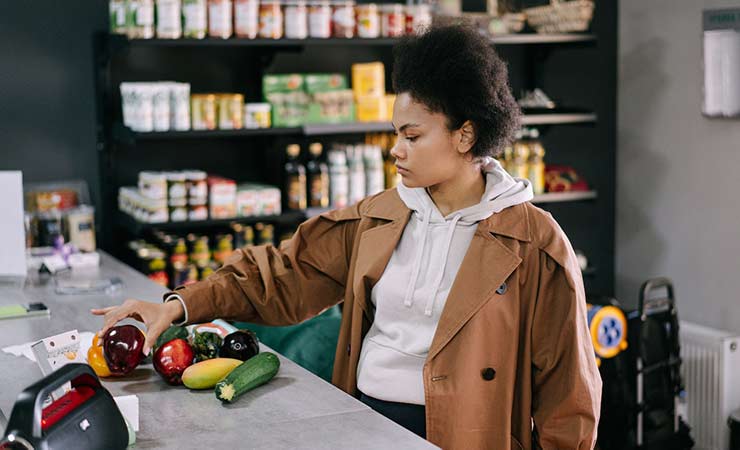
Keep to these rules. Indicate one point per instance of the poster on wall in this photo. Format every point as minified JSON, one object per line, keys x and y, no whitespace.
{"x":721,"y":62}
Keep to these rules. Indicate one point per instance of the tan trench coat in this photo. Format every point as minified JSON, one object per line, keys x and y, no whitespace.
{"x":512,"y":349}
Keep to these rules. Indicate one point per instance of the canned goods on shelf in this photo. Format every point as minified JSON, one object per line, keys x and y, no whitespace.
{"x":257,"y":115}
{"x":219,"y":19}
{"x":393,"y":21}
{"x":296,"y":19}
{"x":368,"y":21}
{"x":418,"y":18}
{"x":246,"y":18}
{"x":271,"y":20}
{"x":169,"y":19}
{"x":230,"y":109}
{"x":319,"y":19}
{"x":343,"y":19}
{"x":203,"y":110}
{"x":194,"y":18}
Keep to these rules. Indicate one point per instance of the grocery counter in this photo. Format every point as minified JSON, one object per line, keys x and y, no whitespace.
{"x":294,"y":410}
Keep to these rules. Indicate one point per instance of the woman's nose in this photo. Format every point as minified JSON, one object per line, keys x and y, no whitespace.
{"x":396,"y":151}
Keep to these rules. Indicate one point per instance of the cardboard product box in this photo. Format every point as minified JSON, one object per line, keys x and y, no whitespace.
{"x":289,"y":109}
{"x":332,"y":107}
{"x":221,"y":197}
{"x":368,"y":79}
{"x":282,"y":83}
{"x":390,"y":100}
{"x":325,"y":82}
{"x":257,"y":200}
{"x":372,"y":109}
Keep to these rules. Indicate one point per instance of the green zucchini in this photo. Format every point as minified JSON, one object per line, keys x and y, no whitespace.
{"x":253,"y":372}
{"x":173,"y":332}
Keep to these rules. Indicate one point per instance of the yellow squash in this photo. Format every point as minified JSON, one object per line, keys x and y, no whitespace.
{"x":205,"y":374}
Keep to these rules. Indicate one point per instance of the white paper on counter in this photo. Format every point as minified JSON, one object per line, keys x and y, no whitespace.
{"x":129,"y":406}
{"x":12,"y":228}
{"x":27,"y":351}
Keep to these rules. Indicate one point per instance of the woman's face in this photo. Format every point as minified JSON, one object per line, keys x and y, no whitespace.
{"x":426,"y":152}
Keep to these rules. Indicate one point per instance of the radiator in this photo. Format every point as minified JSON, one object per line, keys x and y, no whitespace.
{"x":710,"y":371}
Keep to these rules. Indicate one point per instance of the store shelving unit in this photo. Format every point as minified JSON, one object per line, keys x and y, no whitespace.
{"x":509,"y":39}
{"x":126,"y":135}
{"x":578,"y":69}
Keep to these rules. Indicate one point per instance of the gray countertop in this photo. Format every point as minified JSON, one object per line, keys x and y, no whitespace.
{"x":294,"y":410}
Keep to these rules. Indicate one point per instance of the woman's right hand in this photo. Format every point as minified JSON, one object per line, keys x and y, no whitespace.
{"x":156,"y":316}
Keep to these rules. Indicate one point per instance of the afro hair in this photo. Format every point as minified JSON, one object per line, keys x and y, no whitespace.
{"x":455,"y":71}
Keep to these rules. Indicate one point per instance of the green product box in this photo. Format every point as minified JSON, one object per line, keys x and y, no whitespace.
{"x":325,"y":82}
{"x":331,"y":107}
{"x":282,"y":83}
{"x":289,"y":109}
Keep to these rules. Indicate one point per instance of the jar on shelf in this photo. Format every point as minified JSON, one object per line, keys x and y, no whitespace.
{"x":220,"y":19}
{"x":271,"y":20}
{"x":230,"y":111}
{"x":418,"y":18}
{"x":319,"y":19}
{"x":343,"y":19}
{"x":393,"y":21}
{"x":169,"y":19}
{"x":140,"y":19}
{"x":536,"y":166}
{"x":368,"y":21}
{"x":246,"y":18}
{"x":203,"y":110}
{"x":117,"y":13}
{"x":296,"y":19}
{"x":195,"y":18}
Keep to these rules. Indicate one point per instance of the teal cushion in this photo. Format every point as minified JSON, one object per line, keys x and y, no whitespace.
{"x":310,"y":344}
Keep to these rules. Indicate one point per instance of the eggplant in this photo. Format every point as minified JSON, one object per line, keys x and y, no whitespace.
{"x":241,"y":344}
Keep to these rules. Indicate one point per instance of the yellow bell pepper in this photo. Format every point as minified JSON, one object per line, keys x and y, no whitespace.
{"x":96,"y":359}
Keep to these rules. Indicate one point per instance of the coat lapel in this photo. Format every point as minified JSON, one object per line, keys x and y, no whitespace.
{"x":487,"y":264}
{"x":377,"y":244}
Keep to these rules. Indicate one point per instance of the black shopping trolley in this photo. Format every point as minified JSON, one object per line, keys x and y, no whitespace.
{"x":658,"y":389}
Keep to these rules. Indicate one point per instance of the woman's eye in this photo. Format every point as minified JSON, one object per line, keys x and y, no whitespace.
{"x":411,"y":138}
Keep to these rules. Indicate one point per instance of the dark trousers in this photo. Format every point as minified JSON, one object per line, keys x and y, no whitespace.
{"x":407,"y":415}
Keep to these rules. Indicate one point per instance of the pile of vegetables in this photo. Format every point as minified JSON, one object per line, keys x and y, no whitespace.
{"x":231,"y":365}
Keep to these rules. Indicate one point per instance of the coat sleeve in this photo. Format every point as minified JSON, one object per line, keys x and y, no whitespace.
{"x":281,"y":285}
{"x":566,"y":380}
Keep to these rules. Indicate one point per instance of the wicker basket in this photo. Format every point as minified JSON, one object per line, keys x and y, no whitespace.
{"x":561,"y":16}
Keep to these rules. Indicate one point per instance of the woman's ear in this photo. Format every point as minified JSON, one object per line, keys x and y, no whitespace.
{"x":467,"y":137}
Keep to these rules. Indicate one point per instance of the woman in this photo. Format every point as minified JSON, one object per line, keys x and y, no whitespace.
{"x":464,"y":317}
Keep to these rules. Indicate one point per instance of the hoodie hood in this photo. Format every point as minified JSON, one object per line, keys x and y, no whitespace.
{"x":502,"y":191}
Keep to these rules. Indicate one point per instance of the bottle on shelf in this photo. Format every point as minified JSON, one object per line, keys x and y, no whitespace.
{"x":339,"y":178}
{"x":356,"y":174}
{"x":374,"y":176}
{"x":295,"y":179}
{"x":536,"y":166}
{"x":317,"y":173}
{"x":519,"y":163}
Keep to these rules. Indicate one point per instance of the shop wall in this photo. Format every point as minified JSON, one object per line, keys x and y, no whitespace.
{"x":677,"y":208}
{"x":47,"y":112}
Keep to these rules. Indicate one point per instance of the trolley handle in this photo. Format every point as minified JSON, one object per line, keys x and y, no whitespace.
{"x":646,"y":303}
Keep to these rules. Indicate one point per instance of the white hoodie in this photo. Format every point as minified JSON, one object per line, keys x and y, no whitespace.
{"x":411,"y":293}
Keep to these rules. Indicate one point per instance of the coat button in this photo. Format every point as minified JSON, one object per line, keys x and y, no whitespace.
{"x":488,"y":373}
{"x":501,"y":289}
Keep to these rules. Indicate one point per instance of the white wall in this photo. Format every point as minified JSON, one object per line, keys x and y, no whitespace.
{"x":678,"y":173}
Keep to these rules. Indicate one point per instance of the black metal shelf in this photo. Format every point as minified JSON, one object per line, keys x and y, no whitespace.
{"x":124,"y":134}
{"x":136,"y":227}
{"x":118,"y":41}
{"x":557,"y":117}
{"x":560,"y":197}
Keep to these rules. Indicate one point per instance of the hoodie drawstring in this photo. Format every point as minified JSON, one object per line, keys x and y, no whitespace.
{"x":440,"y":275}
{"x":408,"y":298}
